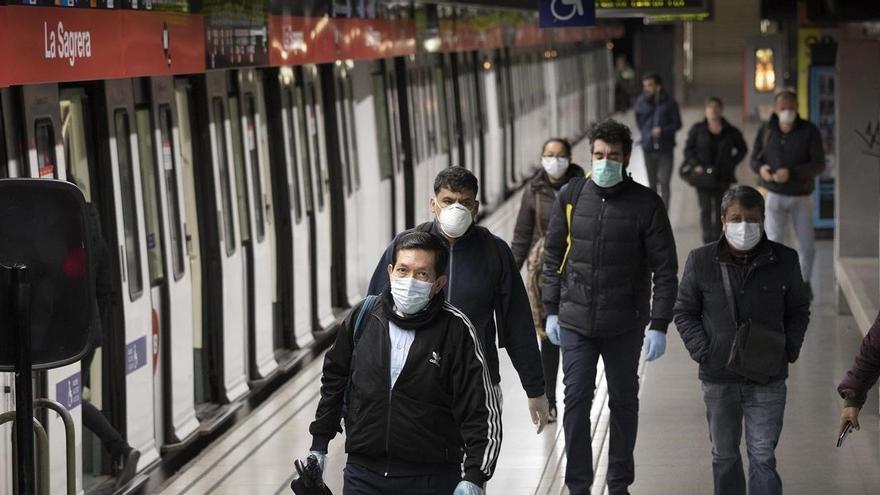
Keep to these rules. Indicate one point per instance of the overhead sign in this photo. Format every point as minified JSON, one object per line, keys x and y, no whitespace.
{"x":643,"y":8}
{"x":566,"y":13}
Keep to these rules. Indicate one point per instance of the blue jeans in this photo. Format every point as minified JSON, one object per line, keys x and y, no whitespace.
{"x":620,"y":354}
{"x":762,"y":407}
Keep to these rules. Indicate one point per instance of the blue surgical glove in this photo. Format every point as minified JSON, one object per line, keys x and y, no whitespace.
{"x":655,"y":344}
{"x":551,"y":328}
{"x":322,"y":459}
{"x":467,"y":488}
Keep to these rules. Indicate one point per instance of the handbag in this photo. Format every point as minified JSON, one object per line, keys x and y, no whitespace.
{"x":758,"y":349}
{"x":534,"y":266}
{"x":707,"y":180}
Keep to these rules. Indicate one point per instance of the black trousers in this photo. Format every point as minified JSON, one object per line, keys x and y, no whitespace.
{"x":620,"y":355}
{"x":550,"y":362}
{"x":358,"y":480}
{"x":710,"y":213}
{"x":94,"y":421}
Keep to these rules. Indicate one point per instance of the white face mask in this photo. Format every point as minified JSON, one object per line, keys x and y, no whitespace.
{"x":555,"y":166}
{"x":454,"y":220}
{"x":743,"y":236}
{"x":786,"y":117}
{"x":410,"y":295}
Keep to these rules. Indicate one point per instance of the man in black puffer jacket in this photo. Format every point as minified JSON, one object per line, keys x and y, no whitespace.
{"x":421,"y":414}
{"x":767,"y":292}
{"x":609,"y":238}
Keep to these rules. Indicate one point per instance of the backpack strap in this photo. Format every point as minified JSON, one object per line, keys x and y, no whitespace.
{"x":569,"y":198}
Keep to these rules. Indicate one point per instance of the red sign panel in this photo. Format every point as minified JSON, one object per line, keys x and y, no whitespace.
{"x":301,"y":40}
{"x":44,"y":44}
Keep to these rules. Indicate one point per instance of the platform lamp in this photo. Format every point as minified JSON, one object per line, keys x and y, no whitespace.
{"x":46,"y":294}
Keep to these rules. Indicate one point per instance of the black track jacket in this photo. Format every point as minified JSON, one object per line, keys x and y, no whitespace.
{"x":442,"y":407}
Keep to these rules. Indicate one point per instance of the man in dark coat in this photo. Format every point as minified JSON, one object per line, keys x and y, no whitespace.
{"x":714,"y":148}
{"x":608,"y":242}
{"x":861,"y":377}
{"x":658,"y":119}
{"x":767,"y":294}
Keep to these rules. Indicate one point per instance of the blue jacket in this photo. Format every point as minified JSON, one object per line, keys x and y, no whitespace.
{"x":471,"y":289}
{"x":660,"y":112}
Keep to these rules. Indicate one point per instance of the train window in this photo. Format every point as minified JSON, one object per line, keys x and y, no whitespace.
{"x":380,"y":105}
{"x":352,"y":133}
{"x":440,"y":105}
{"x":241,"y":190}
{"x":45,"y":144}
{"x":413,"y":118}
{"x":129,"y":209}
{"x":342,"y":132}
{"x":252,"y":139}
{"x":169,"y":170}
{"x":223,"y":168}
{"x":299,"y":123}
{"x":288,"y":115}
{"x":150,"y":187}
{"x":314,"y":141}
{"x":73,"y":136}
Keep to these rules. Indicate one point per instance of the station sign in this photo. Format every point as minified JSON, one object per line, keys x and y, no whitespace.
{"x":566,"y":13}
{"x":646,"y":8}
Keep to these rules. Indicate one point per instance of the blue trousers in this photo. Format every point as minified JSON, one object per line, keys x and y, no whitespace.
{"x":762,"y":408}
{"x":580,"y":355}
{"x":358,"y":480}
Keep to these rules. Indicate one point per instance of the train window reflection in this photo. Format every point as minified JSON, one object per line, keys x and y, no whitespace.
{"x":45,"y":145}
{"x":291,"y":142}
{"x":765,"y":74}
{"x":252,"y":139}
{"x":241,"y":190}
{"x":150,"y":186}
{"x":219,"y":124}
{"x":312,"y":108}
{"x":129,"y":208}
{"x":352,"y":133}
{"x":166,"y":154}
{"x":381,"y":105}
{"x":76,"y":156}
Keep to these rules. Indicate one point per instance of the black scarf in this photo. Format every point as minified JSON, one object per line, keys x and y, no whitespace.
{"x":417,"y":321}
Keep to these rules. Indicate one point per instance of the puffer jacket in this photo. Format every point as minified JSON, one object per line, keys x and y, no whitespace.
{"x":621,"y":243}
{"x":537,"y":198}
{"x":768,"y":289}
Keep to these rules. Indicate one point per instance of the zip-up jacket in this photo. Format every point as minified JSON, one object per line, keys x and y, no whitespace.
{"x":442,"y":408}
{"x":473,"y":288}
{"x":767,"y":288}
{"x":660,"y":111}
{"x":799,"y":150}
{"x":865,"y":369}
{"x":731,"y":150}
{"x":598,"y":273}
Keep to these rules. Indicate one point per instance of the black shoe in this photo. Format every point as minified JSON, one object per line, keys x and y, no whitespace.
{"x":551,"y":418}
{"x":125,"y":467}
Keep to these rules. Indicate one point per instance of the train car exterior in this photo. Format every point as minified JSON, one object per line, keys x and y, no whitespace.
{"x":246,"y":186}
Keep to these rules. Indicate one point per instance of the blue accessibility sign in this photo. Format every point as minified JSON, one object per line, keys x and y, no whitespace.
{"x":69,"y":391}
{"x":566,"y":13}
{"x":135,"y":355}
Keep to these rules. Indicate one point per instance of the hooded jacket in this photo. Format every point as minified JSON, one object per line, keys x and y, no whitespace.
{"x":598,"y":273}
{"x":767,"y":288}
{"x":538,"y":197}
{"x":799,"y":150}
{"x":441,"y":409}
{"x":473,"y":288}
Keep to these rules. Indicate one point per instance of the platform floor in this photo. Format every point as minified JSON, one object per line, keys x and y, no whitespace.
{"x":673,"y":453}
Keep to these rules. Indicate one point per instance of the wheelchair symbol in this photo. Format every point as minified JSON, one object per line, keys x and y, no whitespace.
{"x":577,"y":7}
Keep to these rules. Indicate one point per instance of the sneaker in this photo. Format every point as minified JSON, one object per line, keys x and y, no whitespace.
{"x":125,"y":467}
{"x":552,"y":415}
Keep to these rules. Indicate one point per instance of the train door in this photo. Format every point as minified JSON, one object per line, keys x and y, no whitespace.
{"x":161,"y":153}
{"x":398,"y":151}
{"x":321,"y":233}
{"x":247,"y":118}
{"x":492,"y":130}
{"x":46,"y":159}
{"x":220,"y":359}
{"x":290,"y":147}
{"x":356,"y":266}
{"x":7,"y":402}
{"x":373,"y":119}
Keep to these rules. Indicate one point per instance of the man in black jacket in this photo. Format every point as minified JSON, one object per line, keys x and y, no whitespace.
{"x":788,"y":156}
{"x":609,"y":238}
{"x":484,"y":283}
{"x":769,"y":295}
{"x":417,"y":393}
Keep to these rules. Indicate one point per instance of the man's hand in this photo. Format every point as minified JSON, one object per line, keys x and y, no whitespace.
{"x":848,"y":414}
{"x":782,"y":175}
{"x":322,"y":459}
{"x":551,"y":327}
{"x":655,"y":344}
{"x":766,"y":173}
{"x":467,"y":488}
{"x":655,"y":131}
{"x":540,"y":411}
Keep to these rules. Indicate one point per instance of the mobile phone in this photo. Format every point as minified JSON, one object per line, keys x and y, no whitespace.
{"x":846,"y":429}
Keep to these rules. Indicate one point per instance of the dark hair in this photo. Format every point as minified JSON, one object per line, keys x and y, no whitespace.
{"x":785,"y":93}
{"x":566,"y":145}
{"x":424,"y":241}
{"x":745,"y":196}
{"x":456,"y":179}
{"x":654,"y":77}
{"x":612,"y":132}
{"x":714,"y":99}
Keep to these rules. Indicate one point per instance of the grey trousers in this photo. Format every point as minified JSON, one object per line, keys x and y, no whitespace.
{"x":797,"y":210}
{"x":659,"y":167}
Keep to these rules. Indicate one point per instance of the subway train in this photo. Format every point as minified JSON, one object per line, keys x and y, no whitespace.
{"x":247,"y":184}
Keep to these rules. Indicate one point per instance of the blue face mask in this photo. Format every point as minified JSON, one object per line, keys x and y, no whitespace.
{"x":607,"y":173}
